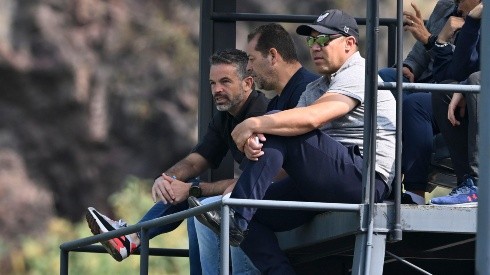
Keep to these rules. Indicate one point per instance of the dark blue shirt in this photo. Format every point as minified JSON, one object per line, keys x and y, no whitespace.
{"x":292,"y":91}
{"x":465,"y":59}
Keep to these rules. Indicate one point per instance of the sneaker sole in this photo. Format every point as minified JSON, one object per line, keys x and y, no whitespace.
{"x":94,"y":225}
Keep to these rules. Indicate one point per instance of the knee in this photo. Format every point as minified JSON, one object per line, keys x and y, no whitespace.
{"x":474,"y":79}
{"x":387,"y":74}
{"x":410,"y":105}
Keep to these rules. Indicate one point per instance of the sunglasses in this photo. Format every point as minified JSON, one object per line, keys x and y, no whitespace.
{"x":322,"y":39}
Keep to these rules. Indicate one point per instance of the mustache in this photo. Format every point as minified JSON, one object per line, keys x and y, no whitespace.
{"x":216,"y":97}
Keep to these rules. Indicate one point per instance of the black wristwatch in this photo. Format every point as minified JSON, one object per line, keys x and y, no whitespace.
{"x":195,"y":190}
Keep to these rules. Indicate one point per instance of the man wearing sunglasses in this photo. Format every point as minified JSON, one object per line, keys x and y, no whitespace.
{"x":319,"y":144}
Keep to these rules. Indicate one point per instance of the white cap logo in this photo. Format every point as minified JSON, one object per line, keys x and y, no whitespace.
{"x":321,"y":17}
{"x":346,"y":29}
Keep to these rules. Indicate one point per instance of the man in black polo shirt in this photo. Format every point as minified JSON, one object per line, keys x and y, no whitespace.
{"x":234,"y":96}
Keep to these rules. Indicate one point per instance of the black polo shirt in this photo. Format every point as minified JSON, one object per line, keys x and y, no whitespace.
{"x":217,"y":140}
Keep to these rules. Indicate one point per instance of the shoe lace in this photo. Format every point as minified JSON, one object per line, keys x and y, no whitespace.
{"x":463,"y":189}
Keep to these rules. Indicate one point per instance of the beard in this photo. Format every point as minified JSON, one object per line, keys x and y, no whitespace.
{"x":230,"y":103}
{"x":263,"y":84}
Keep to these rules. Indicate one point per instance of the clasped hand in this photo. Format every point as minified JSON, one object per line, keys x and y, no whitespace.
{"x":169,"y":190}
{"x":246,"y":140}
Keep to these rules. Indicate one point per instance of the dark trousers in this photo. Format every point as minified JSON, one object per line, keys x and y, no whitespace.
{"x":419,"y":128}
{"x":320,"y":169}
{"x":462,"y":140}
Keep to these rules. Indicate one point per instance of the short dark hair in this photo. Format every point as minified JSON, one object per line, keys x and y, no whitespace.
{"x":274,"y":36}
{"x":234,"y":57}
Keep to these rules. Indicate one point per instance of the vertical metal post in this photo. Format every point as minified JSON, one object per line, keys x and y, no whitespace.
{"x":378,"y":254}
{"x":483,"y":227}
{"x":63,"y":262}
{"x":225,"y":240}
{"x":206,"y":49}
{"x":397,"y":182}
{"x":370,"y":125}
{"x":144,"y":251}
{"x":213,"y":36}
{"x":392,"y":45}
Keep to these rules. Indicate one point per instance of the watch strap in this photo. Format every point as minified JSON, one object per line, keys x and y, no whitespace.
{"x":195,"y":182}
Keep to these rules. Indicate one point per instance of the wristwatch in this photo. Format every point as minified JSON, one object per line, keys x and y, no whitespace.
{"x":195,"y":190}
{"x":441,"y":45}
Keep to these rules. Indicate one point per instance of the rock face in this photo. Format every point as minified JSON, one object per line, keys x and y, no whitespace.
{"x":22,"y":203}
{"x":91,"y":92}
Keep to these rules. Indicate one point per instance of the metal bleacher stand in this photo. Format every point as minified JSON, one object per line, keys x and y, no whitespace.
{"x":356,"y":236}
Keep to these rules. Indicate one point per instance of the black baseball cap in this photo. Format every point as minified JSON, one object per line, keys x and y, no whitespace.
{"x":332,"y":22}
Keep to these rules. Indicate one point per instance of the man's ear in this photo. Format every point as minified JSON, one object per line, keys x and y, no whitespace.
{"x":350,"y":43}
{"x":248,"y":83}
{"x":274,"y":55}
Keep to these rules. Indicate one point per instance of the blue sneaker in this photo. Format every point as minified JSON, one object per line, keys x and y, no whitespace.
{"x":466,"y":194}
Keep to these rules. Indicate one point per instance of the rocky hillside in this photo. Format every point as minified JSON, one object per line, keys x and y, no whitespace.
{"x":91,"y":92}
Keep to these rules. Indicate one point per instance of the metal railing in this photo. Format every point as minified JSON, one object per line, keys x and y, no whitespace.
{"x":84,"y":244}
{"x":87,"y":244}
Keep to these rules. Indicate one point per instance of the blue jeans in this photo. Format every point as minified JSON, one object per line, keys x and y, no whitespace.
{"x":159,"y":210}
{"x":209,"y":249}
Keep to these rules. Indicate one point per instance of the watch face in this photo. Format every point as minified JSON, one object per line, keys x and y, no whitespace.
{"x":195,"y":191}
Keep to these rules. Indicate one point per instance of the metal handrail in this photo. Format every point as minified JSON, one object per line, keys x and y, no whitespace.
{"x":286,"y":18}
{"x":87,"y":244}
{"x":84,"y":243}
{"x":433,"y":87}
{"x":173,"y":252}
{"x":290,"y":205}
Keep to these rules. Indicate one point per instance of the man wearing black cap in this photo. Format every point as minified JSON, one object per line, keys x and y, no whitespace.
{"x":318,"y":143}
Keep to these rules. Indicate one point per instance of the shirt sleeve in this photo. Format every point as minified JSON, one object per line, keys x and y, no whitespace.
{"x":350,"y":82}
{"x":464,"y":60}
{"x":213,"y":147}
{"x":418,"y":59}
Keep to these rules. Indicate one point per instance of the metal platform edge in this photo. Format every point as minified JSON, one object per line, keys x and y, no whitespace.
{"x":414,"y":218}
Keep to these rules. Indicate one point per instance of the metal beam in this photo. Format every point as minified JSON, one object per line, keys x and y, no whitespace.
{"x":213,"y":36}
{"x":483,"y":235}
